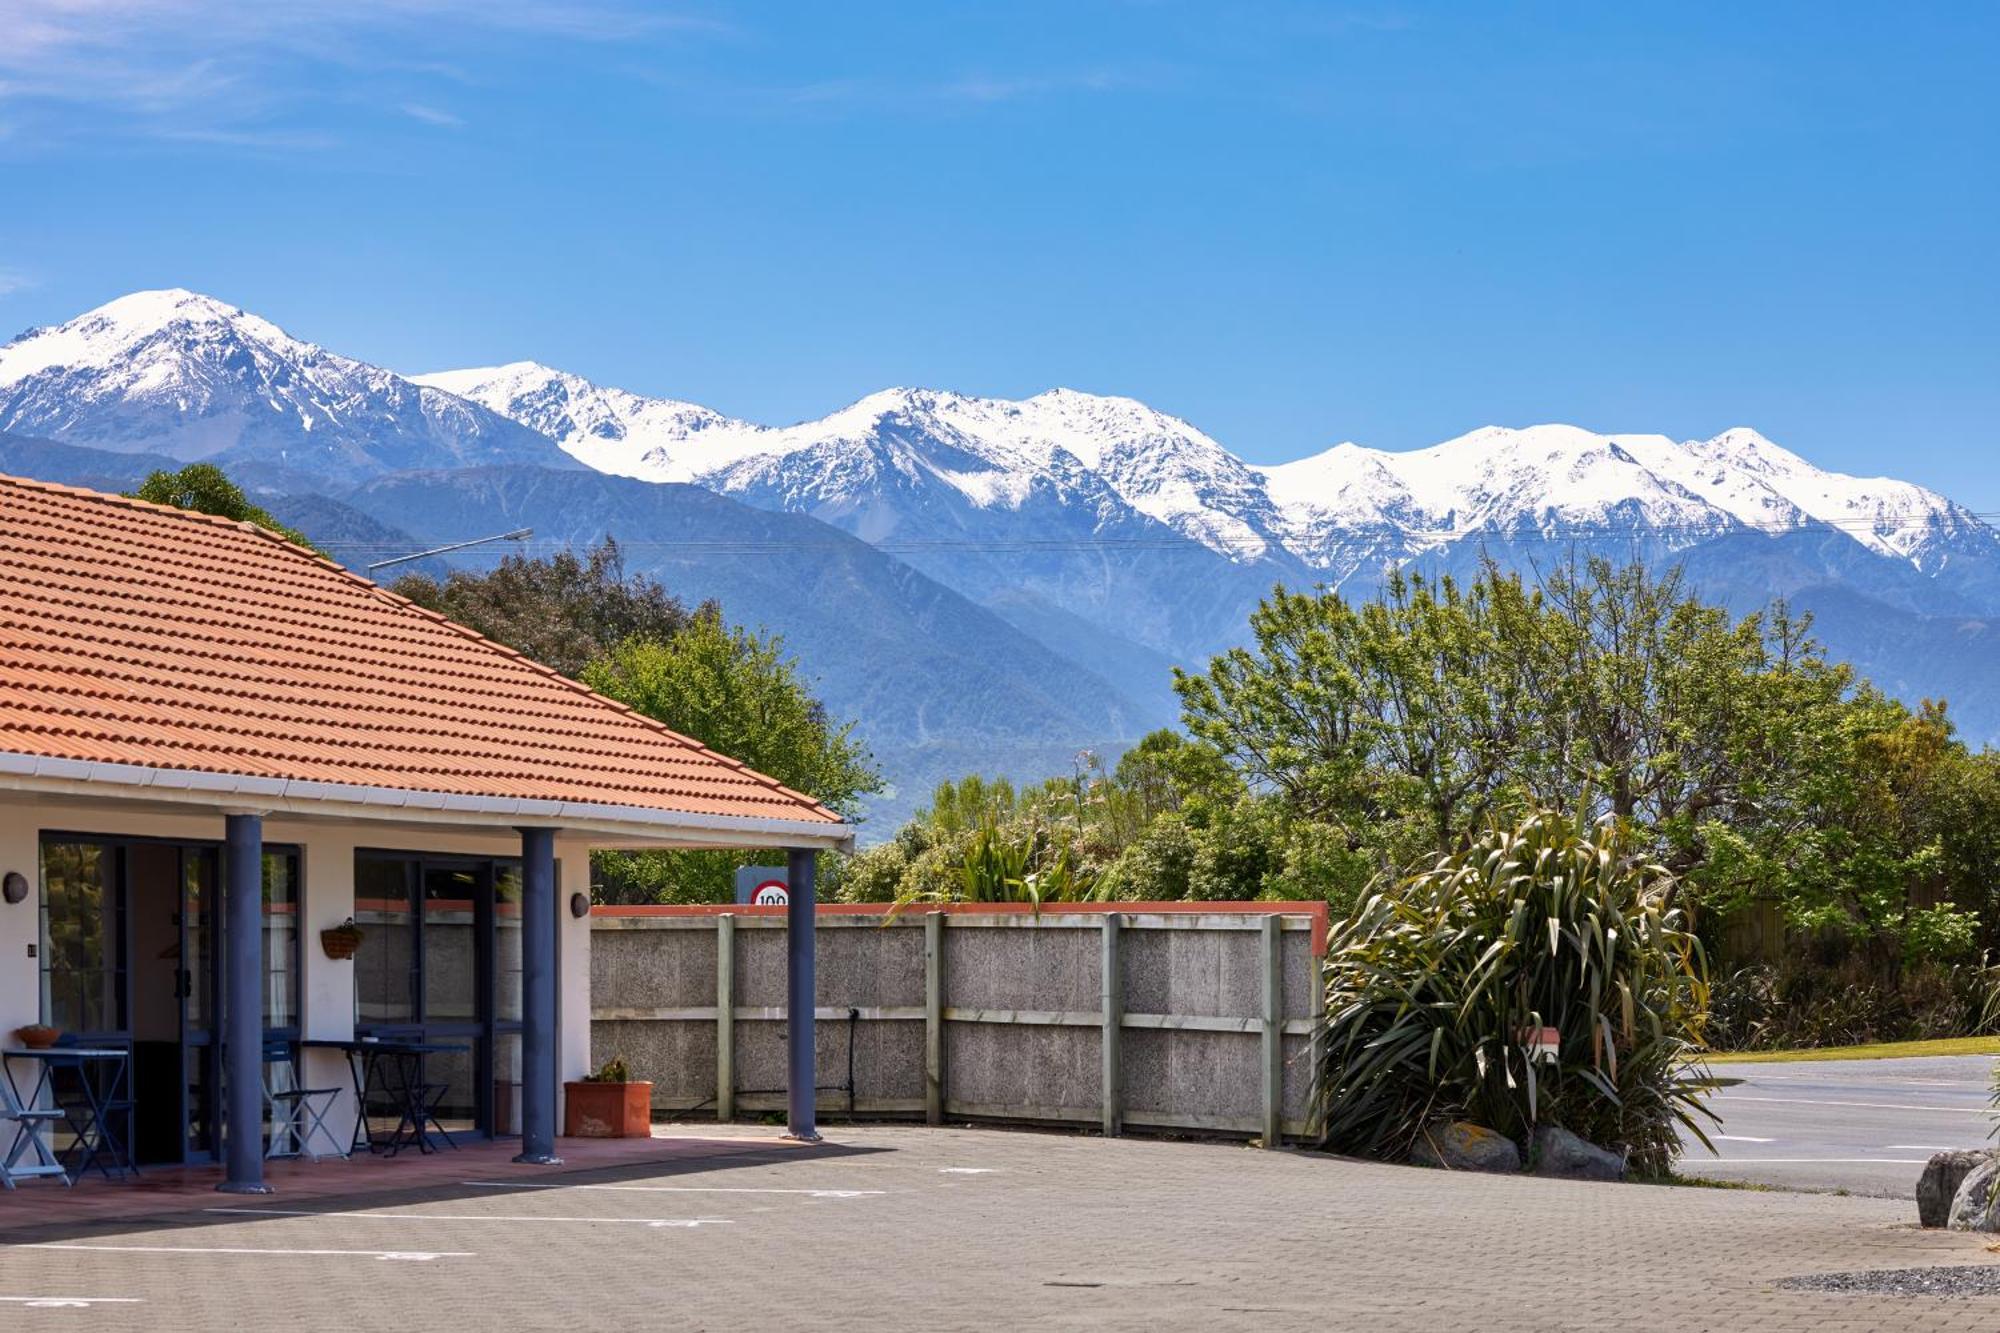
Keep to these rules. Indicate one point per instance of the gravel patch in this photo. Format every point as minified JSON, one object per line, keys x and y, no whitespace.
{"x":1958,"y":1280}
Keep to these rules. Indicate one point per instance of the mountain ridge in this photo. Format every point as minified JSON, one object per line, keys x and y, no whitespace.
{"x":1078,"y":544}
{"x":1334,"y":512}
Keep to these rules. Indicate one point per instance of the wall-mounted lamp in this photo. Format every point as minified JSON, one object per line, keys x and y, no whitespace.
{"x":579,"y":905}
{"x":14,"y":886}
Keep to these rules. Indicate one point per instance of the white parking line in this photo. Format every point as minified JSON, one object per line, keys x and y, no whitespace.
{"x":675,"y":1189}
{"x":69,"y":1302}
{"x":1872,"y":1106}
{"x":1916,"y":1147}
{"x":1739,"y":1138}
{"x":418,"y":1256}
{"x":1828,"y":1161}
{"x":689,"y":1222}
{"x":966,"y":1170}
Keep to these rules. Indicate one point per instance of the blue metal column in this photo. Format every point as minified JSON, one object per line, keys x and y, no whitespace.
{"x":803,"y":1077}
{"x":539,"y":942}
{"x":243,"y":1002}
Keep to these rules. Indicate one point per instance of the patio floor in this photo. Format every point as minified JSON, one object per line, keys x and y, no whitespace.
{"x":166,"y":1190}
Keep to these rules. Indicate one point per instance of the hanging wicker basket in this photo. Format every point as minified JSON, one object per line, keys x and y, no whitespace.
{"x":342,"y":940}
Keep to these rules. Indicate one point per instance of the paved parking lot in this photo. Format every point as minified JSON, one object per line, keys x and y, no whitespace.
{"x":956,"y":1228}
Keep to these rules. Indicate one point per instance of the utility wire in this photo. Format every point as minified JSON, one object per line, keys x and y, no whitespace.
{"x":1881,"y":526}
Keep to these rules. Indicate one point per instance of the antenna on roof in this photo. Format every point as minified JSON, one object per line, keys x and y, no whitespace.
{"x":518,"y":534}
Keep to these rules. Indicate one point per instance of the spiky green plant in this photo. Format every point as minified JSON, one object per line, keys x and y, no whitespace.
{"x":1435,"y":986}
{"x":1034,"y":868}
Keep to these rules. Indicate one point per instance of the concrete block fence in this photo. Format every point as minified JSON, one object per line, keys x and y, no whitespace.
{"x":1169,"y":1016}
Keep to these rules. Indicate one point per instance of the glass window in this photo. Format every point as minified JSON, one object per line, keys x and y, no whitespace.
{"x":198,"y":865}
{"x":281,"y":940}
{"x":451,"y":968}
{"x":507,"y":942}
{"x":83,"y":948}
{"x":385,"y":964}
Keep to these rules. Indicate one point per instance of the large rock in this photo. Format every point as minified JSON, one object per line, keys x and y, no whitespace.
{"x":1459,"y":1145}
{"x":1562,"y":1154}
{"x":1976,"y":1206}
{"x":1943,"y":1174}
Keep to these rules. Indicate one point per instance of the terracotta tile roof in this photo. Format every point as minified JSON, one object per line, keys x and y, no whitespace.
{"x":132,"y":633}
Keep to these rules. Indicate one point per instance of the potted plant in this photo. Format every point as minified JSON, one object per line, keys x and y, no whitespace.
{"x":609,"y":1104}
{"x":342,"y":940}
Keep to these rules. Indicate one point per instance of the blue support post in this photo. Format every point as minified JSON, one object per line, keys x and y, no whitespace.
{"x":802,"y":1083}
{"x":539,"y":942}
{"x":243,"y":1002}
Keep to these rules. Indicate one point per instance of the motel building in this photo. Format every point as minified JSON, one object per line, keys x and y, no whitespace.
{"x":215,"y":748}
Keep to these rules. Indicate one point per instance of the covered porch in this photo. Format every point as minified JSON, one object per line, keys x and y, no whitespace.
{"x":216,"y":746}
{"x":182,"y":929}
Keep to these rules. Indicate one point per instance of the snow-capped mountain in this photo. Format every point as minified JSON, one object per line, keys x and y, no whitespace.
{"x":885,"y":465}
{"x":995,"y":453}
{"x":181,"y":374}
{"x":1563,"y":480}
{"x":1061,"y":507}
{"x":1072,"y":546}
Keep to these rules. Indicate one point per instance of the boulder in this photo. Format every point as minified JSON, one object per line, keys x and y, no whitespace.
{"x":1459,"y":1145}
{"x":1562,"y":1154}
{"x":1976,"y":1206}
{"x":1942,"y":1176}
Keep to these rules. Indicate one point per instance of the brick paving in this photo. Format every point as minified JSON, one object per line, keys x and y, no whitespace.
{"x":955,"y":1228}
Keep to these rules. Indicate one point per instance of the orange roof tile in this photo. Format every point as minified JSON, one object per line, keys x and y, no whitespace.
{"x":133,"y":633}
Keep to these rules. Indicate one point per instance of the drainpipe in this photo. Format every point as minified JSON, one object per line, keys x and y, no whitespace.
{"x":243,"y":1003}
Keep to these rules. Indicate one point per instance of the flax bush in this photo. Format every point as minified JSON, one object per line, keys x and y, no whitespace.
{"x":1434,"y":985}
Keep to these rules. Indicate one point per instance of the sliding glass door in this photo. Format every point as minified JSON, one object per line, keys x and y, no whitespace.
{"x":131,"y":952}
{"x":440,"y":959}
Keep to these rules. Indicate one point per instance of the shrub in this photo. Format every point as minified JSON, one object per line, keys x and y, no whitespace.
{"x":1554,"y":922}
{"x":1812,"y":1000}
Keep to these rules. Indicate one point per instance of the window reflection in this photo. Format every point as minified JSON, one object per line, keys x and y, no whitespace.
{"x":385,"y":964}
{"x":451,"y":982}
{"x":83,"y":950}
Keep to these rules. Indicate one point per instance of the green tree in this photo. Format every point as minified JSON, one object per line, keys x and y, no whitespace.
{"x":738,"y":693}
{"x":207,"y":489}
{"x":564,"y":611}
{"x":1415,"y":706}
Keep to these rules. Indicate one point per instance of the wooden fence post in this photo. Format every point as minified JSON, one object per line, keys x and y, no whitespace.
{"x":934,"y":1018}
{"x":1274,"y":1031}
{"x":725,"y":1016}
{"x":1114,"y":1020}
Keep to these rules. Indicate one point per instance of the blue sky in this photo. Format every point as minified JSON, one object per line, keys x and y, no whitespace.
{"x":1291,"y":224}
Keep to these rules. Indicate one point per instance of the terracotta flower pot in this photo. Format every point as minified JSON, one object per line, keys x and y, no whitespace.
{"x":608,"y":1110}
{"x":37,"y":1036}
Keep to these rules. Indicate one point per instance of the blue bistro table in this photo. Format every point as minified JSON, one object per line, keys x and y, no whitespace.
{"x":97,"y":1097}
{"x":396,"y":1066}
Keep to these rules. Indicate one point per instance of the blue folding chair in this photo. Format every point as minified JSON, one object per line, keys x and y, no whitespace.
{"x":298,"y":1114}
{"x":31,"y":1128}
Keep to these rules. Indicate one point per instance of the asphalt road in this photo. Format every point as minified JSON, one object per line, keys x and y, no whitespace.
{"x":1865,"y":1126}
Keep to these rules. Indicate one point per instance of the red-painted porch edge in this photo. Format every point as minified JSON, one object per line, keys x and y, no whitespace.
{"x":1316,"y":911}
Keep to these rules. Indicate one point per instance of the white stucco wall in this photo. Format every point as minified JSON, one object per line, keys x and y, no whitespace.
{"x":327,"y":852}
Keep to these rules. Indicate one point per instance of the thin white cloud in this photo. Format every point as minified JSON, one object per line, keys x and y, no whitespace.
{"x":13,"y":280}
{"x":1016,"y":87}
{"x":968,"y":90}
{"x":193,"y":66}
{"x":431,"y":115}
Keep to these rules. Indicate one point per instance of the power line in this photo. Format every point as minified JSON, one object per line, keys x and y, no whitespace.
{"x":1250,"y":545}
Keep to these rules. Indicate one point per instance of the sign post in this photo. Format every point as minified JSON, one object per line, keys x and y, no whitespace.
{"x":763,"y":886}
